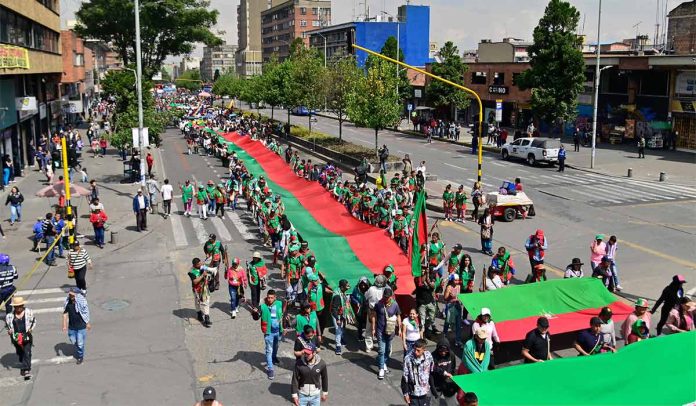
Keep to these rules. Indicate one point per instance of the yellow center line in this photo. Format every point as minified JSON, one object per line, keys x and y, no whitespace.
{"x":659,"y":254}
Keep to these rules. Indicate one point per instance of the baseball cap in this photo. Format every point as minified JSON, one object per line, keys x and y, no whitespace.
{"x":485,"y":311}
{"x":595,"y":321}
{"x":641,"y":303}
{"x":482,"y":334}
{"x":209,"y":393}
{"x":457,"y":246}
{"x":606,"y":259}
{"x":256,"y":254}
{"x":606,"y":311}
{"x":599,"y":237}
{"x":679,"y":279}
{"x":543,"y":322}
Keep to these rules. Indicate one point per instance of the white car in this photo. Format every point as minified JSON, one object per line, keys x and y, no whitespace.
{"x":532,"y":150}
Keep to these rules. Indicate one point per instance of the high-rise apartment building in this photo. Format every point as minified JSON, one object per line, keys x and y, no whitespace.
{"x":248,"y":57}
{"x":281,"y":24}
{"x":217,"y":60}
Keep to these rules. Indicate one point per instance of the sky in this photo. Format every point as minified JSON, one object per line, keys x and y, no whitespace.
{"x":466,"y":22}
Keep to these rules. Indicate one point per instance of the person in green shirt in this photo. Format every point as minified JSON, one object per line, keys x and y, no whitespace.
{"x":257,"y":273}
{"x":448,"y":202}
{"x":467,"y":274}
{"x":341,"y":312}
{"x":200,"y":274}
{"x":202,"y":202}
{"x":399,"y":230}
{"x":187,"y":197}
{"x":210,"y":190}
{"x":435,"y":248}
{"x":272,"y":328}
{"x":460,"y":203}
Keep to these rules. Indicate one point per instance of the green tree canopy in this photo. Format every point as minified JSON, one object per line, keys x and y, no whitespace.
{"x":557,"y":67}
{"x":275,"y":82}
{"x":339,"y":82}
{"x":306,"y":83}
{"x":121,"y":85}
{"x":228,"y":84}
{"x":389,"y":49}
{"x":452,"y":68}
{"x":168,"y":27}
{"x":373,"y":102}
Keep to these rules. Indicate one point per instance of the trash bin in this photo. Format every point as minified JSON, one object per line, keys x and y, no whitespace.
{"x":114,"y":237}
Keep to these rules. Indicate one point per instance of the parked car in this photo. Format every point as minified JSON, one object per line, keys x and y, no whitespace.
{"x":302,"y":111}
{"x":533,"y":150}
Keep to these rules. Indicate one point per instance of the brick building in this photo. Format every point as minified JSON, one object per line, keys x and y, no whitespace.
{"x":77,"y":81}
{"x":681,"y":28}
{"x":30,"y":70}
{"x":281,"y":24}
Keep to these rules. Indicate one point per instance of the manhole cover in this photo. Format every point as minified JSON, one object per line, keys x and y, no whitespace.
{"x":114,"y":305}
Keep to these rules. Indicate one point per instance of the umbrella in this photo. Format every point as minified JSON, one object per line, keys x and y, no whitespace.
{"x":56,"y":189}
{"x":203,"y":94}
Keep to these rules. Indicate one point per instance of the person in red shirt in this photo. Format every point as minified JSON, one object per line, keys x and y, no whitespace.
{"x":236,"y":277}
{"x":150,"y":160}
{"x":98,"y":219}
{"x":518,"y":185}
{"x":102,"y":145}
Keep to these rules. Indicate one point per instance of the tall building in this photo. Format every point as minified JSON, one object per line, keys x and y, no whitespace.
{"x":30,"y":71}
{"x":248,"y":57}
{"x":190,"y":62}
{"x":77,"y":81}
{"x":281,"y":24}
{"x":681,"y":28}
{"x":411,"y":26}
{"x":218,"y":59}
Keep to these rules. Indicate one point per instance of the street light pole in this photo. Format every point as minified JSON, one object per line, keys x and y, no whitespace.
{"x":139,"y":88}
{"x":596,"y":90}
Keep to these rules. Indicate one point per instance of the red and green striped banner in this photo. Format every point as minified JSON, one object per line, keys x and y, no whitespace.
{"x":345,"y":247}
{"x":657,"y":371}
{"x":419,"y":235}
{"x":567,"y":303}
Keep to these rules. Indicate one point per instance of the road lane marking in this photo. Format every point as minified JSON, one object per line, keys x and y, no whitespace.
{"x":453,"y":166}
{"x":55,"y":360}
{"x":178,"y":228}
{"x":49,"y":310}
{"x":47,"y":291}
{"x":662,"y":255}
{"x":221,"y":230}
{"x":198,"y":226}
{"x":47,"y":300}
{"x":240,"y":226}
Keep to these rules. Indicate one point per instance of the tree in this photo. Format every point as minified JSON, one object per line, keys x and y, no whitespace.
{"x":190,"y":79}
{"x":389,"y":49}
{"x":340,"y":81}
{"x":373,"y":102}
{"x":165,"y":76}
{"x":228,"y":85}
{"x":216,"y":75}
{"x":452,"y":68}
{"x":168,"y":28}
{"x":251,"y":91}
{"x":275,"y":83}
{"x":306,"y":81}
{"x":121,"y":85}
{"x":557,"y":69}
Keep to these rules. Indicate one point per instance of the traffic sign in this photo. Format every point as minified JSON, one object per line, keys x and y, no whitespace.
{"x":409,"y":107}
{"x":498,"y":110}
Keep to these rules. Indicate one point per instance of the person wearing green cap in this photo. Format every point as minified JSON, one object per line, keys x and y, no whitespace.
{"x":640,"y":313}
{"x":598,"y":249}
{"x":639,"y":331}
{"x":390,"y":275}
{"x":210,"y":190}
{"x":202,"y":202}
{"x":219,"y":195}
{"x":290,"y":270}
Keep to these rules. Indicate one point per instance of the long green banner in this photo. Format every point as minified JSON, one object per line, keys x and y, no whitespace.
{"x":657,"y":371}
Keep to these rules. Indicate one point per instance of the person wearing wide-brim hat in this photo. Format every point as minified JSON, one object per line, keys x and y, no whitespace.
{"x":574,"y":269}
{"x":20,"y":324}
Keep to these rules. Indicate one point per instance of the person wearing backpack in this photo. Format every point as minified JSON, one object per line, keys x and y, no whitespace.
{"x":386,"y":320}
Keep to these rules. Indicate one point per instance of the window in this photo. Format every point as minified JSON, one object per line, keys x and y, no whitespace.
{"x":17,"y":30}
{"x":79,"y":59}
{"x":524,"y":143}
{"x":316,"y":23}
{"x":478,"y":78}
{"x":314,"y":10}
{"x":303,"y":10}
{"x":303,"y":23}
{"x":499,"y":78}
{"x":515,"y":78}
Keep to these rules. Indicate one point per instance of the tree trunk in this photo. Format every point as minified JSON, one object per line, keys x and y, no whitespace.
{"x":272,"y":110}
{"x":340,"y":128}
{"x":376,"y":144}
{"x":288,"y":117}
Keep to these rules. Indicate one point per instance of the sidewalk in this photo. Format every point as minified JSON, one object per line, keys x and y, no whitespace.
{"x":135,"y":341}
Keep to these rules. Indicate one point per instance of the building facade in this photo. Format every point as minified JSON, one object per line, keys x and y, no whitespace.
{"x":281,"y":24}
{"x":30,"y":73}
{"x":77,"y":80}
{"x":248,"y":58}
{"x":411,"y":26}
{"x":217,"y":60}
{"x":190,"y":62}
{"x":681,"y":28}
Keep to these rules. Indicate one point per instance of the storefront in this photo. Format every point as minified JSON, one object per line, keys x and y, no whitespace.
{"x":683,"y":109}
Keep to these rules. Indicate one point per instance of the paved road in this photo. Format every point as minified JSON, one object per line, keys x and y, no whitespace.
{"x":653,"y":221}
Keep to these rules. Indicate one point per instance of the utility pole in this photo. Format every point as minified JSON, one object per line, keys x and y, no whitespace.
{"x":139,"y":88}
{"x":596,"y":90}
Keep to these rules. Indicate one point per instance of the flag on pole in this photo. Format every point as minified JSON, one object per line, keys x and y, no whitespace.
{"x":419,"y":235}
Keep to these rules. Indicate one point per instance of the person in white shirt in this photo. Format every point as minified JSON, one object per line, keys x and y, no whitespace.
{"x":372,"y":296}
{"x":411,"y":331}
{"x":493,"y":280}
{"x":421,"y":168}
{"x":484,"y":322}
{"x":167,"y":193}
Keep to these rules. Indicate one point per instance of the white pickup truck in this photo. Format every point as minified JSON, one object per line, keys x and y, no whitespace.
{"x":533,"y":150}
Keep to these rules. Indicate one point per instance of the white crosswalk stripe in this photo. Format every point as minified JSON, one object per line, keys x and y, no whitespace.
{"x":199,"y":228}
{"x":241,"y":227}
{"x":597,"y":189}
{"x":221,"y":231}
{"x":178,"y":228}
